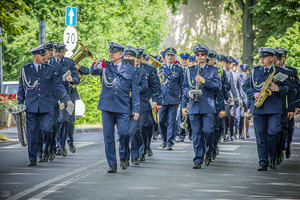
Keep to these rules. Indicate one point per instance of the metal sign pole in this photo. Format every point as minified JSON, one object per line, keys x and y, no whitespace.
{"x":42,"y":31}
{"x":1,"y":67}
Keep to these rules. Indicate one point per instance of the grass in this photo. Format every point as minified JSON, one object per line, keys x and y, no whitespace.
{"x":3,"y":137}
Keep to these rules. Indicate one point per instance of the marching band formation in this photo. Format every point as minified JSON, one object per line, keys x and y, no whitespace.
{"x":207,"y":97}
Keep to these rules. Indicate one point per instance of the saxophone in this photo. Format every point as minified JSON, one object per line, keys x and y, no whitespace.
{"x":265,"y":90}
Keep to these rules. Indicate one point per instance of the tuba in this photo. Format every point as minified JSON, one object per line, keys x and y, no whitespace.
{"x":154,"y":62}
{"x":81,"y":52}
{"x":265,"y":90}
{"x":19,"y":115}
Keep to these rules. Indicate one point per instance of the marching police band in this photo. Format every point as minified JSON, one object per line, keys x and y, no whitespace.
{"x":208,"y":97}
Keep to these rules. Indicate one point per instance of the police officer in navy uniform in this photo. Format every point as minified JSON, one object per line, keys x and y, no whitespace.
{"x":244,"y":124}
{"x":82,"y":71}
{"x":296,"y":91}
{"x":193,"y":60}
{"x":35,"y":92}
{"x":118,"y":99}
{"x":155,"y":94}
{"x":67,"y":64}
{"x":221,"y":95}
{"x":201,"y":106}
{"x":288,"y":105}
{"x":231,"y":118}
{"x":49,"y":143}
{"x":134,"y":125}
{"x":266,"y":117}
{"x":163,"y":56}
{"x":181,"y":133}
{"x":227,"y":98}
{"x":172,"y":92}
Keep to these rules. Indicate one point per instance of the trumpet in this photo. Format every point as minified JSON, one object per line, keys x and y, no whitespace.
{"x":184,"y":124}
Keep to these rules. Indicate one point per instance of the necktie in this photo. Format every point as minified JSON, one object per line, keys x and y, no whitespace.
{"x":266,"y":72}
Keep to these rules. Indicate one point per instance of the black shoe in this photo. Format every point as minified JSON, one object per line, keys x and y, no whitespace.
{"x":155,"y":137}
{"x":226,"y":138}
{"x":123,"y":164}
{"x":273,"y":165}
{"x":278,"y":160}
{"x":64,"y":151}
{"x":58,"y":152}
{"x":207,"y":160}
{"x":182,"y":140}
{"x":163,"y":145}
{"x":72,"y":148}
{"x":32,"y":163}
{"x":288,"y":153}
{"x":45,"y":157}
{"x":150,"y":153}
{"x":217,"y":151}
{"x":135,"y":161}
{"x":40,"y":159}
{"x":262,"y":168}
{"x":177,"y":140}
{"x":190,"y":137}
{"x":247,"y":136}
{"x":112,"y":169}
{"x":142,"y":158}
{"x":169,"y":147}
{"x":214,"y":155}
{"x":51,"y":156}
{"x":197,"y":165}
{"x":172,"y":142}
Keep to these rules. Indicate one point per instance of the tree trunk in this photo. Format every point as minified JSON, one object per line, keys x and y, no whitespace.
{"x":247,"y":29}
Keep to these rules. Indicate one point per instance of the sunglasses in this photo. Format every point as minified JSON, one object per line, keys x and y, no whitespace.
{"x":198,"y":54}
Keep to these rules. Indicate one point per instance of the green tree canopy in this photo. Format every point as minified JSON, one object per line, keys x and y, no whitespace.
{"x":9,"y":14}
{"x":273,"y":18}
{"x":137,"y":23}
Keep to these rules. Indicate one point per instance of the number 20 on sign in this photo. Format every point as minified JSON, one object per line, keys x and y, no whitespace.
{"x":70,"y":38}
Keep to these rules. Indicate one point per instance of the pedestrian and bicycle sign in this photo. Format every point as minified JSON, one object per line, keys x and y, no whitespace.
{"x":71,"y":16}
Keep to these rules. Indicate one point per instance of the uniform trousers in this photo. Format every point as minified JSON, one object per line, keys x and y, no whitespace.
{"x":34,"y":123}
{"x":167,"y":123}
{"x":203,"y":130}
{"x":64,"y":121}
{"x":146,"y":124}
{"x":135,"y":138}
{"x":267,"y":128}
{"x":290,"y":133}
{"x":109,"y":120}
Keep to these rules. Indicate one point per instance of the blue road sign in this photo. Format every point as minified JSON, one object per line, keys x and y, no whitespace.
{"x":71,"y":16}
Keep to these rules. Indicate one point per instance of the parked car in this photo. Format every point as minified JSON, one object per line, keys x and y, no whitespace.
{"x":11,"y":87}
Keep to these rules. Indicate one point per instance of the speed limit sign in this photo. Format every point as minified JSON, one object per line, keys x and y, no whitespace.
{"x":70,"y":38}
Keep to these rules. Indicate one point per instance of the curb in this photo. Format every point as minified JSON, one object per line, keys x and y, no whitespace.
{"x":77,"y":130}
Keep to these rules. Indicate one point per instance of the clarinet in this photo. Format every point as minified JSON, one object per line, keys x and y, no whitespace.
{"x":197,"y":85}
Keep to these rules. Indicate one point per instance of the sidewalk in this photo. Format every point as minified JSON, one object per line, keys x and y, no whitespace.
{"x":78,"y":129}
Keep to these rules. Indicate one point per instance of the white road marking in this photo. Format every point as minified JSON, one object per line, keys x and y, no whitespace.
{"x":48,"y":182}
{"x":19,"y":146}
{"x":63,"y":184}
{"x":223,"y":147}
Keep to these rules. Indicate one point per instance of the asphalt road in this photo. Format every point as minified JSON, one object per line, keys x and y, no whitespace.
{"x":165,"y":175}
